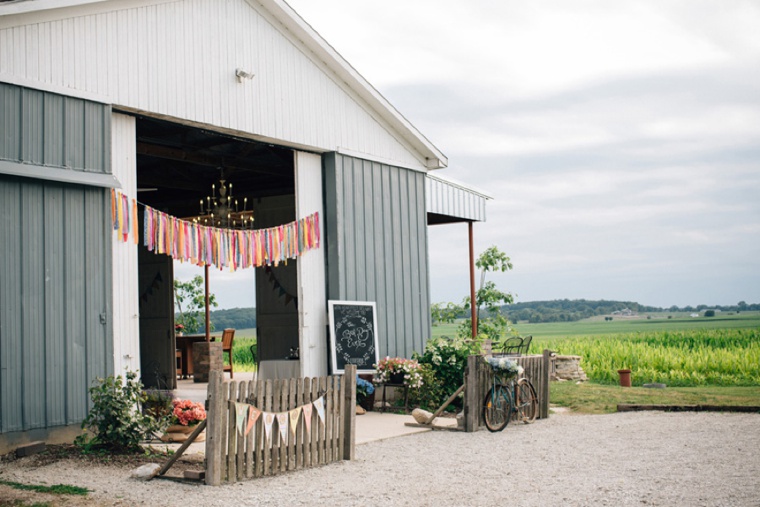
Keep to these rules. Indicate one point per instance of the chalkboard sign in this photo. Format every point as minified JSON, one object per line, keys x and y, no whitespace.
{"x":354,"y":335}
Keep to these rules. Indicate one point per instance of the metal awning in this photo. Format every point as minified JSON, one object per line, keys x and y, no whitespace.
{"x":448,"y":201}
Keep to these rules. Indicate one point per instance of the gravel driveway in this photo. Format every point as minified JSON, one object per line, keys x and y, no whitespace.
{"x":643,"y":458}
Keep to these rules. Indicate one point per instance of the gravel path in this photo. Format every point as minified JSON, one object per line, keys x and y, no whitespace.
{"x":624,"y":459}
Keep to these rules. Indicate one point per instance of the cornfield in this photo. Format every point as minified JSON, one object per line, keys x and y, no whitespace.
{"x":717,"y":357}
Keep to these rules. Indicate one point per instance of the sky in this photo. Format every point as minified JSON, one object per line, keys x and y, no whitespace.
{"x":620,"y":141}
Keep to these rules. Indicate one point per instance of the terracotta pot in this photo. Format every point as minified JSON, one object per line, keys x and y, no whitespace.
{"x":179,"y":433}
{"x":625,"y":378}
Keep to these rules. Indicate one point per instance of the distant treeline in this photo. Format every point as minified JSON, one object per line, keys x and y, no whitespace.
{"x":237,"y":318}
{"x":558,"y":310}
{"x":567,"y":310}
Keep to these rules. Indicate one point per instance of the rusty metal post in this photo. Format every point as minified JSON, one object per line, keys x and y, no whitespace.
{"x":473,"y":302}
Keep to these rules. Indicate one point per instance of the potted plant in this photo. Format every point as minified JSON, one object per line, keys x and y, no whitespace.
{"x":398,"y":370}
{"x":179,"y":329}
{"x":186,"y":415}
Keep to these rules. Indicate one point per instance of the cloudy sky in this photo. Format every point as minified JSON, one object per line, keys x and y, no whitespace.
{"x":619,"y":140}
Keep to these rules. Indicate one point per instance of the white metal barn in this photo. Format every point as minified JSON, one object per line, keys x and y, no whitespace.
{"x":153,"y":97}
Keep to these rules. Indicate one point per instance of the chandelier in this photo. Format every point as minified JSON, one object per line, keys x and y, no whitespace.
{"x":222,"y":209}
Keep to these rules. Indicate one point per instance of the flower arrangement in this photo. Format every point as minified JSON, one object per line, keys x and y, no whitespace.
{"x":505,"y":366}
{"x":391,"y":366}
{"x":187,"y":413}
{"x":179,"y":328}
{"x":363,"y":388}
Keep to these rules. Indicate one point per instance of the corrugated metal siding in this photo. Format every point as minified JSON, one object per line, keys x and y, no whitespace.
{"x":454,"y":200}
{"x":179,"y":59}
{"x":50,"y":130}
{"x":376,"y":239}
{"x":55,"y":287}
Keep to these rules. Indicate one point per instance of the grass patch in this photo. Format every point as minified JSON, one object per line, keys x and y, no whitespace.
{"x":588,"y":398}
{"x":57,"y":489}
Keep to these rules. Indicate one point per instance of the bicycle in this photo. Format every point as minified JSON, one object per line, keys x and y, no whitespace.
{"x":509,"y":397}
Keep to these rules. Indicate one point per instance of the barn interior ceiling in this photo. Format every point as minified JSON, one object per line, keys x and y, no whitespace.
{"x":177,"y":164}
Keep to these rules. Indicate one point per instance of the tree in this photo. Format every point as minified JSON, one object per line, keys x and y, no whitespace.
{"x":444,"y":313}
{"x":488,"y":299}
{"x":192,"y":295}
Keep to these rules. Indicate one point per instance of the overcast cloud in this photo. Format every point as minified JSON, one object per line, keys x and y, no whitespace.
{"x":620,"y":140}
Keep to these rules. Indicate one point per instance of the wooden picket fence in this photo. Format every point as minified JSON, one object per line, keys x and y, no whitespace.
{"x":232,"y":456}
{"x":478,"y":380}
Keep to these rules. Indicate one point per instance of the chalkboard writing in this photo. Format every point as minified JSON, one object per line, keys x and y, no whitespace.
{"x":353,"y":335}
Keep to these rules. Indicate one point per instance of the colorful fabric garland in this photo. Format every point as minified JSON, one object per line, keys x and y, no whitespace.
{"x":124,"y":216}
{"x":223,"y":248}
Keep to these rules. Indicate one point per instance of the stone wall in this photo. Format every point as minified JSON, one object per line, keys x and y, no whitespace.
{"x":567,"y":368}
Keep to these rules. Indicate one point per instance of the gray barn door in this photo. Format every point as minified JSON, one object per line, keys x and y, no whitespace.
{"x":157,"y":343}
{"x":276,"y":288}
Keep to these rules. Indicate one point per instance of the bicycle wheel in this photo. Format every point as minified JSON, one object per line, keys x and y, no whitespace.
{"x":526,"y":402}
{"x":497,"y":408}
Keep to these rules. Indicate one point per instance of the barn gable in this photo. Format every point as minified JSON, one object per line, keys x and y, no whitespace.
{"x":167,"y":58}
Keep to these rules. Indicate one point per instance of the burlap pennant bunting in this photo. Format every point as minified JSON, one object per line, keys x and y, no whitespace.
{"x":241,"y":410}
{"x":282,"y":422}
{"x":253,"y":415}
{"x":294,"y":414}
{"x":268,"y":421}
{"x":319,"y":405}
{"x":307,"y":416}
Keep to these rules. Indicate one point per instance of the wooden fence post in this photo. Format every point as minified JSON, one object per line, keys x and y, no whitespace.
{"x":349,"y":414}
{"x":471,"y":392}
{"x":543,"y":396}
{"x":215,"y":421}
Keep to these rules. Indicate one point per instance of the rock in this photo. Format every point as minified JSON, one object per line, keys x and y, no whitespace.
{"x":146,"y":472}
{"x":421,"y":416}
{"x":460,"y":420}
{"x":360,"y":410}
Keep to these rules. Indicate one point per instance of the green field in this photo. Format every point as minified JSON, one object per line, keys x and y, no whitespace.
{"x":715,"y":351}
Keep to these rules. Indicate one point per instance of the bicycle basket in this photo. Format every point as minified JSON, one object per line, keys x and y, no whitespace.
{"x":505,"y":367}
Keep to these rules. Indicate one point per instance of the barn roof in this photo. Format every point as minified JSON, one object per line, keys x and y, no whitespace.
{"x":289,"y":20}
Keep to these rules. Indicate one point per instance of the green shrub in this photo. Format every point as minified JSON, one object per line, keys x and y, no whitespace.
{"x":447,"y":358}
{"x":115,"y":419}
{"x":430,"y":394}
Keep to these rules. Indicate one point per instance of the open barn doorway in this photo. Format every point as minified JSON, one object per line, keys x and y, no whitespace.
{"x":178,"y":167}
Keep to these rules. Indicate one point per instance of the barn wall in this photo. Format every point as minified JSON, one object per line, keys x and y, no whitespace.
{"x":55,"y":294}
{"x":312,"y":297}
{"x":376,"y":240}
{"x":169,"y":58}
{"x":126,"y":318}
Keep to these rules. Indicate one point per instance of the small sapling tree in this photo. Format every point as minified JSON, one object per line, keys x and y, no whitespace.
{"x":190,"y":300}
